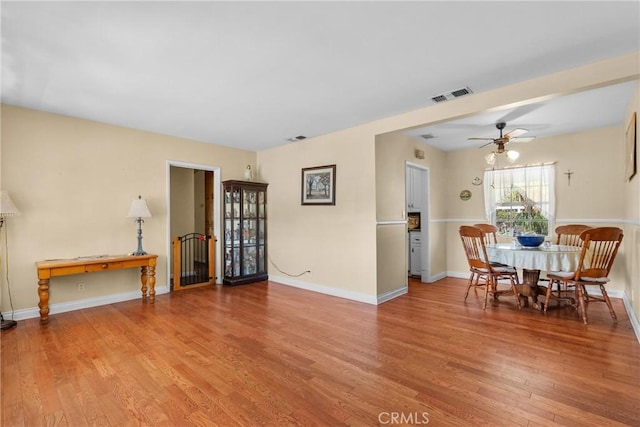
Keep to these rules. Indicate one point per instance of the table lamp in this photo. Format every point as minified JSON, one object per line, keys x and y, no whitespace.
{"x":7,"y":208}
{"x":139,"y":210}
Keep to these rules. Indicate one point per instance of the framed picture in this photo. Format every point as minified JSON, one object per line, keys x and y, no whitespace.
{"x":319,"y":185}
{"x":630,"y":149}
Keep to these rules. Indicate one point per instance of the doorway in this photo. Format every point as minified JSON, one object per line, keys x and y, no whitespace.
{"x":193,"y":194}
{"x":417,"y":201}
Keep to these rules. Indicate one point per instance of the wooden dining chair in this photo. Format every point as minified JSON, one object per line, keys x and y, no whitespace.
{"x":490,"y":232}
{"x":568,"y":235}
{"x":483,"y":274}
{"x":490,"y":236}
{"x":599,"y":249}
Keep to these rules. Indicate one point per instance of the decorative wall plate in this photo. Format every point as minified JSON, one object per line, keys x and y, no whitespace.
{"x":477,"y":180}
{"x":465,"y":195}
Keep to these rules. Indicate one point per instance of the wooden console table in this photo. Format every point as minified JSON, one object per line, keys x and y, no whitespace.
{"x":65,"y":267}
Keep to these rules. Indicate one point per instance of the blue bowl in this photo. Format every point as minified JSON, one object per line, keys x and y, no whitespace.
{"x":531,"y":240}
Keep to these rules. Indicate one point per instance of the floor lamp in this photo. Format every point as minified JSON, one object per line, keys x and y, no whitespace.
{"x":7,"y":208}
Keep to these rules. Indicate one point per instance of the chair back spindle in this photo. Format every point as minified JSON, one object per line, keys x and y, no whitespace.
{"x":600,"y":246}
{"x":569,"y":234}
{"x":489,"y":231}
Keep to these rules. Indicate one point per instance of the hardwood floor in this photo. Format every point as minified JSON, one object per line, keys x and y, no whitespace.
{"x":268,"y":354}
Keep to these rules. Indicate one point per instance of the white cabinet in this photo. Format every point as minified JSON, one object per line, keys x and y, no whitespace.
{"x":414,"y":189}
{"x":415,"y":253}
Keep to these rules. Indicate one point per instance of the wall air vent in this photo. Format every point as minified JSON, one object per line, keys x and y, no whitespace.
{"x":453,"y":94}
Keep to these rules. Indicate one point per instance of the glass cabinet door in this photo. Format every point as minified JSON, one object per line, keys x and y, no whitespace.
{"x":232,"y":232}
{"x":249,"y":228}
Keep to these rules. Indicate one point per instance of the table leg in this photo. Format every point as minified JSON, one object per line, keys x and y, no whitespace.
{"x":530,"y":281}
{"x":43,"y":294}
{"x":152,"y":283}
{"x":143,"y":279}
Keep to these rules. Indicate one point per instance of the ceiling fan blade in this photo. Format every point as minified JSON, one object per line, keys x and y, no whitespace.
{"x":515,"y":133}
{"x":488,"y":143}
{"x":481,"y":139}
{"x":522,"y":139}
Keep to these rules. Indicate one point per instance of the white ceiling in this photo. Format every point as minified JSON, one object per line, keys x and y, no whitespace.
{"x":253,"y":74}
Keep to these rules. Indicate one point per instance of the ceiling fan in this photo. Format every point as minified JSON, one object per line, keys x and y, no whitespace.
{"x":513,"y":135}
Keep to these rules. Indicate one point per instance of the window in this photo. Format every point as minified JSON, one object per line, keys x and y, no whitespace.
{"x":520,"y":200}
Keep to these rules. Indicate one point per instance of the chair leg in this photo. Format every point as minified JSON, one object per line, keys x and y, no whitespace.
{"x":470,"y":284}
{"x":605,"y":296}
{"x":580,"y":292}
{"x":488,"y":283}
{"x":548,"y":294}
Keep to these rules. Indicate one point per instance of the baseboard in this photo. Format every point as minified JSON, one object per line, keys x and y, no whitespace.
{"x":635,"y":324}
{"x":355,"y":296}
{"x":457,"y":274}
{"x":387,"y":296}
{"x":437,"y":277}
{"x":63,"y":307}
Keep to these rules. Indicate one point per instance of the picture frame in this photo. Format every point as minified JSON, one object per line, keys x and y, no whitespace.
{"x":631,"y":149}
{"x":319,"y":185}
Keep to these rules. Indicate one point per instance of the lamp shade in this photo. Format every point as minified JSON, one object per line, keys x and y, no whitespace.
{"x":139,"y":209}
{"x":490,"y":158}
{"x":7,"y":207}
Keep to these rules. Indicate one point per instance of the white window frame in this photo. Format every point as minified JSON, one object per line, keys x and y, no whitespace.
{"x":536,"y":183}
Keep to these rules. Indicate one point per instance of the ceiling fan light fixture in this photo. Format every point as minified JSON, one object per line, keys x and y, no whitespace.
{"x":513,"y":155}
{"x":490,"y":158}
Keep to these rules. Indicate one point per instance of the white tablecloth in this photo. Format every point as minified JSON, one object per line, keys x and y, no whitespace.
{"x":553,"y":258}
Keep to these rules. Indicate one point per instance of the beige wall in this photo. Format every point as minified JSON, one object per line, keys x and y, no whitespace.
{"x":198,"y":202}
{"x":74,"y":180}
{"x":391,"y":268}
{"x":336,"y":243}
{"x":182,"y":201}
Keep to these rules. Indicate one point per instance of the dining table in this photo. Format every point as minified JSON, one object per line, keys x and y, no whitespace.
{"x":534,"y":260}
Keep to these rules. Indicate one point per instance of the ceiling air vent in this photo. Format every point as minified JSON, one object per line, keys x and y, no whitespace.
{"x":297,"y":138}
{"x":453,"y":94}
{"x":427,"y":136}
{"x":461,"y":92}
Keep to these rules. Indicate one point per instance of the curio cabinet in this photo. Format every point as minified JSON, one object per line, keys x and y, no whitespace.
{"x":245,"y":232}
